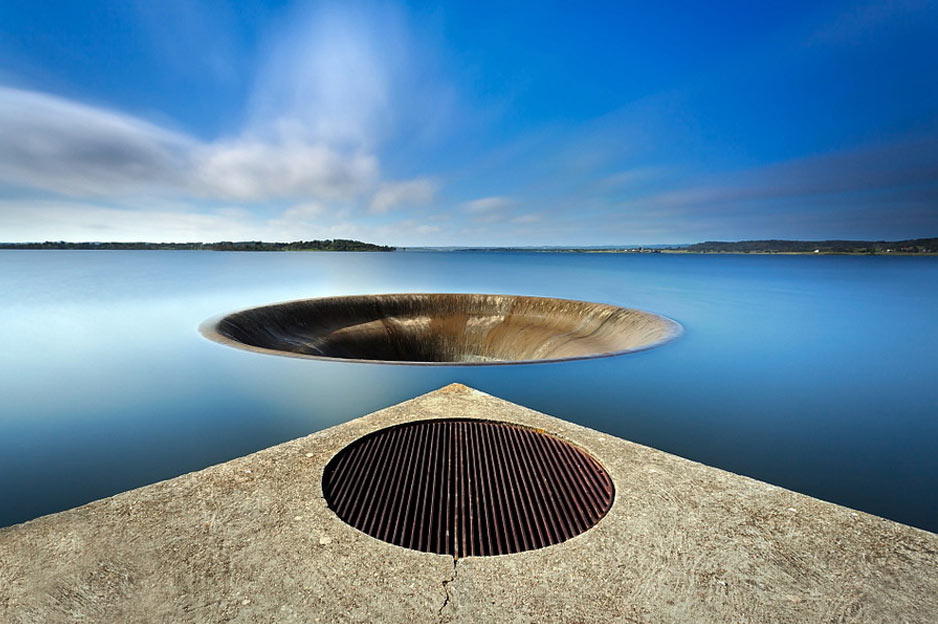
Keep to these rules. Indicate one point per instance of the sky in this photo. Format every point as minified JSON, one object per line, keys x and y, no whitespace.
{"x":468,"y":123}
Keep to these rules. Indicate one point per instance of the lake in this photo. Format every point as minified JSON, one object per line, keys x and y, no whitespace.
{"x":816,"y":373}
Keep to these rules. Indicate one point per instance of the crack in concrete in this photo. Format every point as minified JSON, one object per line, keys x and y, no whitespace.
{"x":446,"y":589}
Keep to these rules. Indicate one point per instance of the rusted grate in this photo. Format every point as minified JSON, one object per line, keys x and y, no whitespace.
{"x":467,"y":487}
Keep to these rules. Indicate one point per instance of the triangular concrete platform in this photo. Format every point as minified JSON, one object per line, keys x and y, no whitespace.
{"x":252,"y":540}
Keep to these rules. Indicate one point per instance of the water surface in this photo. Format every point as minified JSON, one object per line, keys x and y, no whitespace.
{"x":814,"y":373}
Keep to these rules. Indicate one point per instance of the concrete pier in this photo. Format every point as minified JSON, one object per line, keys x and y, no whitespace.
{"x":253,"y":540}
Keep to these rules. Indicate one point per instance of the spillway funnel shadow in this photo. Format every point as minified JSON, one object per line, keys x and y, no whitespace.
{"x":440,"y":329}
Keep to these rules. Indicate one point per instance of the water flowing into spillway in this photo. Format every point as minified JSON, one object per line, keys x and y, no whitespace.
{"x":451,"y":329}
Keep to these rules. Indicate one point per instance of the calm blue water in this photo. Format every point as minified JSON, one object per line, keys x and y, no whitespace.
{"x":816,"y":373}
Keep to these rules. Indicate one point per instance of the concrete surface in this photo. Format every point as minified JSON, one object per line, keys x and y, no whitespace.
{"x":442,"y":328}
{"x":252,"y":540}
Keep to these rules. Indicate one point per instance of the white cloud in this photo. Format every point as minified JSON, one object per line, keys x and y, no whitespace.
{"x":487,"y":204}
{"x":299,"y":218}
{"x":392,"y":194}
{"x":55,"y":144}
{"x":40,"y":220}
{"x":330,"y":74}
{"x":339,"y":83}
{"x":304,"y":212}
{"x":252,"y":170}
{"x":526,"y":219}
{"x":335,"y":80}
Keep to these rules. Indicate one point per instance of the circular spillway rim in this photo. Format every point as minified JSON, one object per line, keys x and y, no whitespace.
{"x":209,"y":329}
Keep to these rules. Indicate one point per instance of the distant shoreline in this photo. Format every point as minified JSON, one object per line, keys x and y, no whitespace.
{"x":804,"y":253}
{"x":665,"y":251}
{"x":911,"y":247}
{"x":338,"y":244}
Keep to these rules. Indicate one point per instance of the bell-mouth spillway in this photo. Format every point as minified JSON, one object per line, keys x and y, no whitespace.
{"x":442,"y":329}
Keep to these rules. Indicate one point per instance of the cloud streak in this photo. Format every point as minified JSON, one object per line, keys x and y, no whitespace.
{"x":253,"y":170}
{"x":489,"y":204}
{"x":393,"y":194}
{"x":54,"y":144}
{"x":57,"y":145}
{"x":330,"y":76}
{"x":907,"y":168}
{"x":322,"y":104}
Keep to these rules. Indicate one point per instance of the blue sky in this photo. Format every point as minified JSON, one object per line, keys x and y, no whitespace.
{"x":468,"y":123}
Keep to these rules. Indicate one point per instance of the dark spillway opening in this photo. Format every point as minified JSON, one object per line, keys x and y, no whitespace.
{"x":467,"y":487}
{"x":442,"y":329}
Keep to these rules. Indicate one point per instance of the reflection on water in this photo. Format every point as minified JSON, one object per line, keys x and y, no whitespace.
{"x":816,"y":373}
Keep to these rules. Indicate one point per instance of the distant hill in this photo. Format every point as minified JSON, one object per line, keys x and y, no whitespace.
{"x":904,"y":247}
{"x":913,"y":246}
{"x":917,"y":245}
{"x":338,"y":244}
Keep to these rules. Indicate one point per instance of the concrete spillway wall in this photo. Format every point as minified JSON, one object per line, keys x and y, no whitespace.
{"x":443,"y":328}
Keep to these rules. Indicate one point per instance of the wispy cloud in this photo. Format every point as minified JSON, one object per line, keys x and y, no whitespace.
{"x":323,"y":103}
{"x":884,"y":190}
{"x":628,"y":178}
{"x":392,"y":194}
{"x":54,"y":144}
{"x":489,"y":204}
{"x":908,"y":167}
{"x":32,"y":220}
{"x":57,"y":145}
{"x":306,"y":211}
{"x":527,"y":218}
{"x":299,"y":219}
{"x":157,"y":221}
{"x":252,"y":170}
{"x":333,"y":74}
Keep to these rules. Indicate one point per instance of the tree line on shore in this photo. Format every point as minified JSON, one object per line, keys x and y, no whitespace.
{"x":917,"y":245}
{"x":338,"y":244}
{"x":911,"y":246}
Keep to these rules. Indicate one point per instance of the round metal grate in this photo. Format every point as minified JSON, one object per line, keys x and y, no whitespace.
{"x":467,"y":487}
